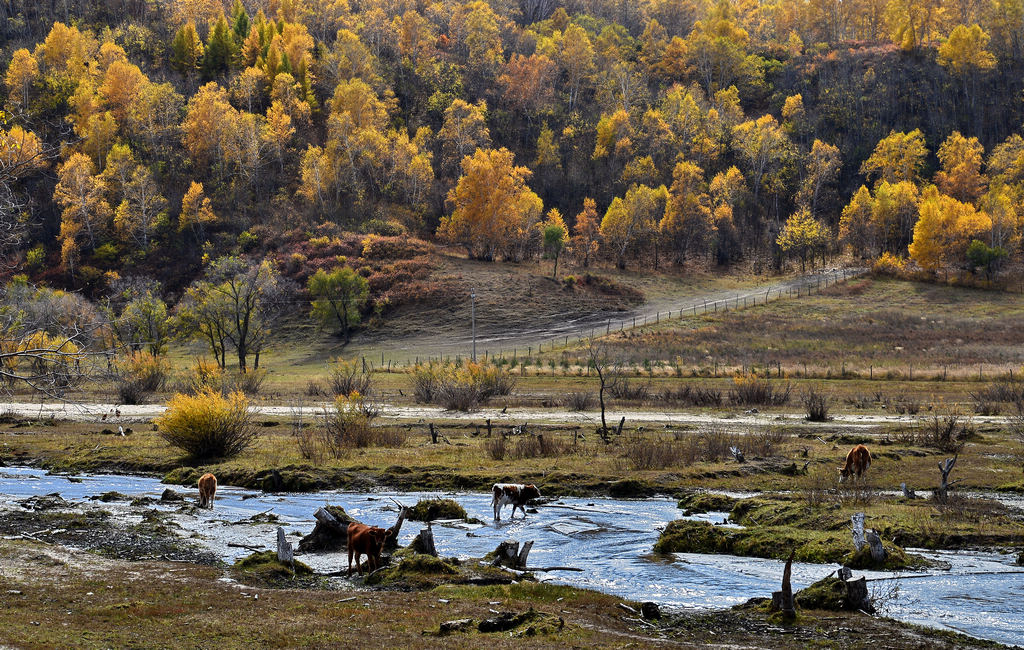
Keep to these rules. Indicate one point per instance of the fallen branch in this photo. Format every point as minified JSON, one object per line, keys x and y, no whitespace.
{"x":254,"y":549}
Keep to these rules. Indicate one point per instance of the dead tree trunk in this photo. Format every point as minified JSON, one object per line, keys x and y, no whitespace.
{"x":783,"y":600}
{"x":391,"y":542}
{"x":858,"y":530}
{"x":945,"y":467}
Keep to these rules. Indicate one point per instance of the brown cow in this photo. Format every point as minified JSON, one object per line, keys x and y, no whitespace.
{"x":512,"y":493}
{"x":365,"y":540}
{"x":857,"y":462}
{"x":207,"y":490}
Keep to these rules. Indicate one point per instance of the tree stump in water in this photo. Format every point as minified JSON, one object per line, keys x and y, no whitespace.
{"x":875,"y":543}
{"x":424,"y":542}
{"x":507,"y":554}
{"x":330,"y":532}
{"x":857,"y":594}
{"x":285,"y":554}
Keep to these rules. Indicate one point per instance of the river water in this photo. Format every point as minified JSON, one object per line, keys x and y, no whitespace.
{"x":610,"y":539}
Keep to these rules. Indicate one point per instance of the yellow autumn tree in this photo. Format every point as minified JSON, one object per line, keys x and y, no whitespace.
{"x":802,"y":235}
{"x":897,"y":157}
{"x":856,"y":228}
{"x":631,"y":222}
{"x":22,"y":72}
{"x":960,"y":176}
{"x":86,"y":211}
{"x":688,"y":224}
{"x":196,"y":211}
{"x":490,"y":200}
{"x":945,"y":230}
{"x":586,"y":233}
{"x":893,"y":215}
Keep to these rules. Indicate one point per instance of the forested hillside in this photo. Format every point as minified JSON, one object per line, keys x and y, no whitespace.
{"x":148,"y":139}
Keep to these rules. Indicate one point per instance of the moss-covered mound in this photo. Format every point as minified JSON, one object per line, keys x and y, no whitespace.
{"x":409,"y":570}
{"x":265,"y":569}
{"x":827,"y":594}
{"x":699,"y":502}
{"x":773,"y":526}
{"x":432,"y":509}
{"x":285,"y":479}
{"x":684,"y":536}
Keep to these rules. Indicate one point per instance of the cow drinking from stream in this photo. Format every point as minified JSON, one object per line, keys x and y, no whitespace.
{"x":515,"y":494}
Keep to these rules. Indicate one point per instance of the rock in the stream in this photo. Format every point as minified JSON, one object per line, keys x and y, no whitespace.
{"x":171,"y":495}
{"x":650,"y":610}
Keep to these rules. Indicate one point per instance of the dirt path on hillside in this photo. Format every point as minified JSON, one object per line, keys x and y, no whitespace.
{"x":508,"y":335}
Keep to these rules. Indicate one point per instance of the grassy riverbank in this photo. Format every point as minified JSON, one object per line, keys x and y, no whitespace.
{"x":58,"y":597}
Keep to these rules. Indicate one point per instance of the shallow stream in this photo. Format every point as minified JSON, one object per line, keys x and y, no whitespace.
{"x":611,"y":540}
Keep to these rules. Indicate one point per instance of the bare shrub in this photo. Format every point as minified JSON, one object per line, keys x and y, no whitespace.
{"x":308,"y":439}
{"x":692,"y":395}
{"x":646,"y":453}
{"x":990,"y":400}
{"x":347,"y":377}
{"x":315,"y":389}
{"x":347,"y":425}
{"x":906,"y":405}
{"x":766,"y":441}
{"x":579,"y":401}
{"x":818,"y":487}
{"x":208,"y":425}
{"x":496,"y":448}
{"x":622,"y":388}
{"x":816,"y":405}
{"x":460,"y":387}
{"x":751,"y":390}
{"x":947,"y":433}
{"x":139,"y":374}
{"x":538,"y":446}
{"x":1009,"y":392}
{"x":1016,"y":426}
{"x":249,"y":382}
{"x":715,"y":443}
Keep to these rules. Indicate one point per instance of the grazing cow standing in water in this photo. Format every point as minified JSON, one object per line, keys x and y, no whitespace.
{"x":207,"y":490}
{"x":365,"y":540}
{"x":512,"y":493}
{"x":857,"y":462}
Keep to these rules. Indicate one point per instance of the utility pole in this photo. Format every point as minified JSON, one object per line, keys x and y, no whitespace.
{"x":472,"y":296}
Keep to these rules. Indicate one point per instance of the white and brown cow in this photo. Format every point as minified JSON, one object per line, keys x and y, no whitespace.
{"x":514,"y":493}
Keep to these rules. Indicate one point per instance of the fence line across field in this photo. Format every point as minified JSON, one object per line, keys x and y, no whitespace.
{"x":697,"y":308}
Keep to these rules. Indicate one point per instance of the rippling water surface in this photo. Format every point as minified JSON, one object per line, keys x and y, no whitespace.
{"x":610,"y":539}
